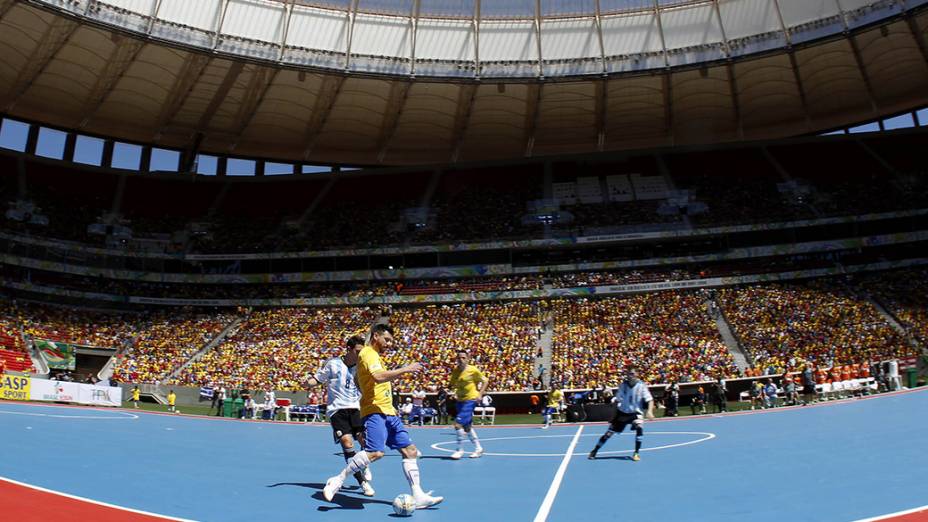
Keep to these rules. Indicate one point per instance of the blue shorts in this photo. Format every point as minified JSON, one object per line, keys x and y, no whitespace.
{"x":382,"y":431}
{"x":549,"y":410}
{"x":465,"y":416}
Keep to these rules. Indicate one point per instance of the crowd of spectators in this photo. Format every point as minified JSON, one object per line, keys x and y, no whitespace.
{"x":904,"y":293}
{"x":821,"y":321}
{"x":166,"y":343}
{"x":501,"y":337}
{"x":276,"y":348}
{"x":668,"y":336}
{"x":79,"y":326}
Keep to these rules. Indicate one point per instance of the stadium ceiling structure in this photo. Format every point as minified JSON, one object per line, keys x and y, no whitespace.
{"x":437,"y":81}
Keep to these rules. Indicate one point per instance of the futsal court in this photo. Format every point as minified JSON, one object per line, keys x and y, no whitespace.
{"x":841,"y":461}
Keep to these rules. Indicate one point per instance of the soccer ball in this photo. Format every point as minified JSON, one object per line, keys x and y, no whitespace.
{"x":404,"y":505}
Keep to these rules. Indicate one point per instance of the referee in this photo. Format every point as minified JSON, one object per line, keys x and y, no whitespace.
{"x":344,"y":404}
{"x":633,"y":400}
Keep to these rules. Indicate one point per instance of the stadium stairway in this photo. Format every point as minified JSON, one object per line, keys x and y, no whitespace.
{"x":728,"y":336}
{"x":545,"y":342}
{"x":212,"y":343}
{"x":893,"y":321}
{"x":38,"y":362}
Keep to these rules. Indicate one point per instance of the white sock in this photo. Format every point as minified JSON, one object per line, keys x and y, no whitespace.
{"x":473,"y":437}
{"x":461,"y":435}
{"x":356,"y":463}
{"x":411,"y":469}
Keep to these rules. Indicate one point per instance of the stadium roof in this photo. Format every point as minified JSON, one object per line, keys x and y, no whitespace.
{"x":433,"y":81}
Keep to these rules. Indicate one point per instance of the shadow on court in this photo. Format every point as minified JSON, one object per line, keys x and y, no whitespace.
{"x":616,"y":457}
{"x":341,"y":500}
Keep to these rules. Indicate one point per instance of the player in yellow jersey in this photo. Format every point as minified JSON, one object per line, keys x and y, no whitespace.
{"x":555,"y":399}
{"x":382,"y":428}
{"x":136,"y":395}
{"x":172,"y":401}
{"x":468,"y":383}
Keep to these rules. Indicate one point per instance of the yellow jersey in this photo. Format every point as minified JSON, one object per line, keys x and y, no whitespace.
{"x":465,"y":382}
{"x":555,"y":398}
{"x":171,"y":398}
{"x":135,"y":394}
{"x":375,"y":398}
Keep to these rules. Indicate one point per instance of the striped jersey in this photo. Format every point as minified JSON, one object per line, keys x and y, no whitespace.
{"x":633,"y":399}
{"x":343,"y":391}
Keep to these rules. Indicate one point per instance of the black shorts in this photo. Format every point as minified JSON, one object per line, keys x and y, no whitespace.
{"x":622,"y":419}
{"x":346,"y":422}
{"x":808,"y":389}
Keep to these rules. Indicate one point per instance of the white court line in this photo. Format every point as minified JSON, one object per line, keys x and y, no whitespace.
{"x":95,"y":502}
{"x":558,"y":477}
{"x":894,"y":515}
{"x":129,"y":416}
{"x":705,"y":436}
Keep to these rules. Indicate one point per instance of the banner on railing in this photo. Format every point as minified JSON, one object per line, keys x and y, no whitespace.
{"x":60,"y":356}
{"x":61,"y":391}
{"x":14,"y":387}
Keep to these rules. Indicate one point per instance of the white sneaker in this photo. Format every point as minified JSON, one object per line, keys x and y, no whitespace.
{"x":477,"y":453}
{"x":332,"y":486}
{"x":368,"y":476}
{"x":427,"y":500}
{"x":545,"y":427}
{"x":457,"y":455}
{"x":367,"y":488}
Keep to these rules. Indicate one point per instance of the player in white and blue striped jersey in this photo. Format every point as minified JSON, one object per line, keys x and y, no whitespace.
{"x":344,"y":404}
{"x":633,"y":402}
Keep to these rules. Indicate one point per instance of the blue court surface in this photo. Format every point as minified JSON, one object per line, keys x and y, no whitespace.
{"x":841,"y":461}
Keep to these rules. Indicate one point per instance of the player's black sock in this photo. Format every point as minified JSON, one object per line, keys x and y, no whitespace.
{"x":602,"y":440}
{"x":638,"y":435}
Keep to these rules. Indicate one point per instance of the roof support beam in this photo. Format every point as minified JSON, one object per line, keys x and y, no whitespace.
{"x":599,"y":35}
{"x":151,"y":16}
{"x":718,"y":17}
{"x":467,"y":93}
{"x":5,"y":6}
{"x":532,"y":105}
{"x":541,"y":67}
{"x":222,"y":8}
{"x":258,"y":86}
{"x":602,"y":93}
{"x":352,"y":14}
{"x":863,"y":73}
{"x":52,"y":41}
{"x":668,"y":105}
{"x":476,"y":23}
{"x":190,"y":73}
{"x":414,"y":30}
{"x":660,"y":31}
{"x":735,"y":100}
{"x":325,"y":101}
{"x":399,"y":93}
{"x":776,"y":7}
{"x":121,"y":58}
{"x":288,"y":14}
{"x":235,"y":70}
{"x":917,"y":35}
{"x":800,"y":87}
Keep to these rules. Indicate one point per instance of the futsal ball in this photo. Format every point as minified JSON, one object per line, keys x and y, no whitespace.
{"x":404,"y":505}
